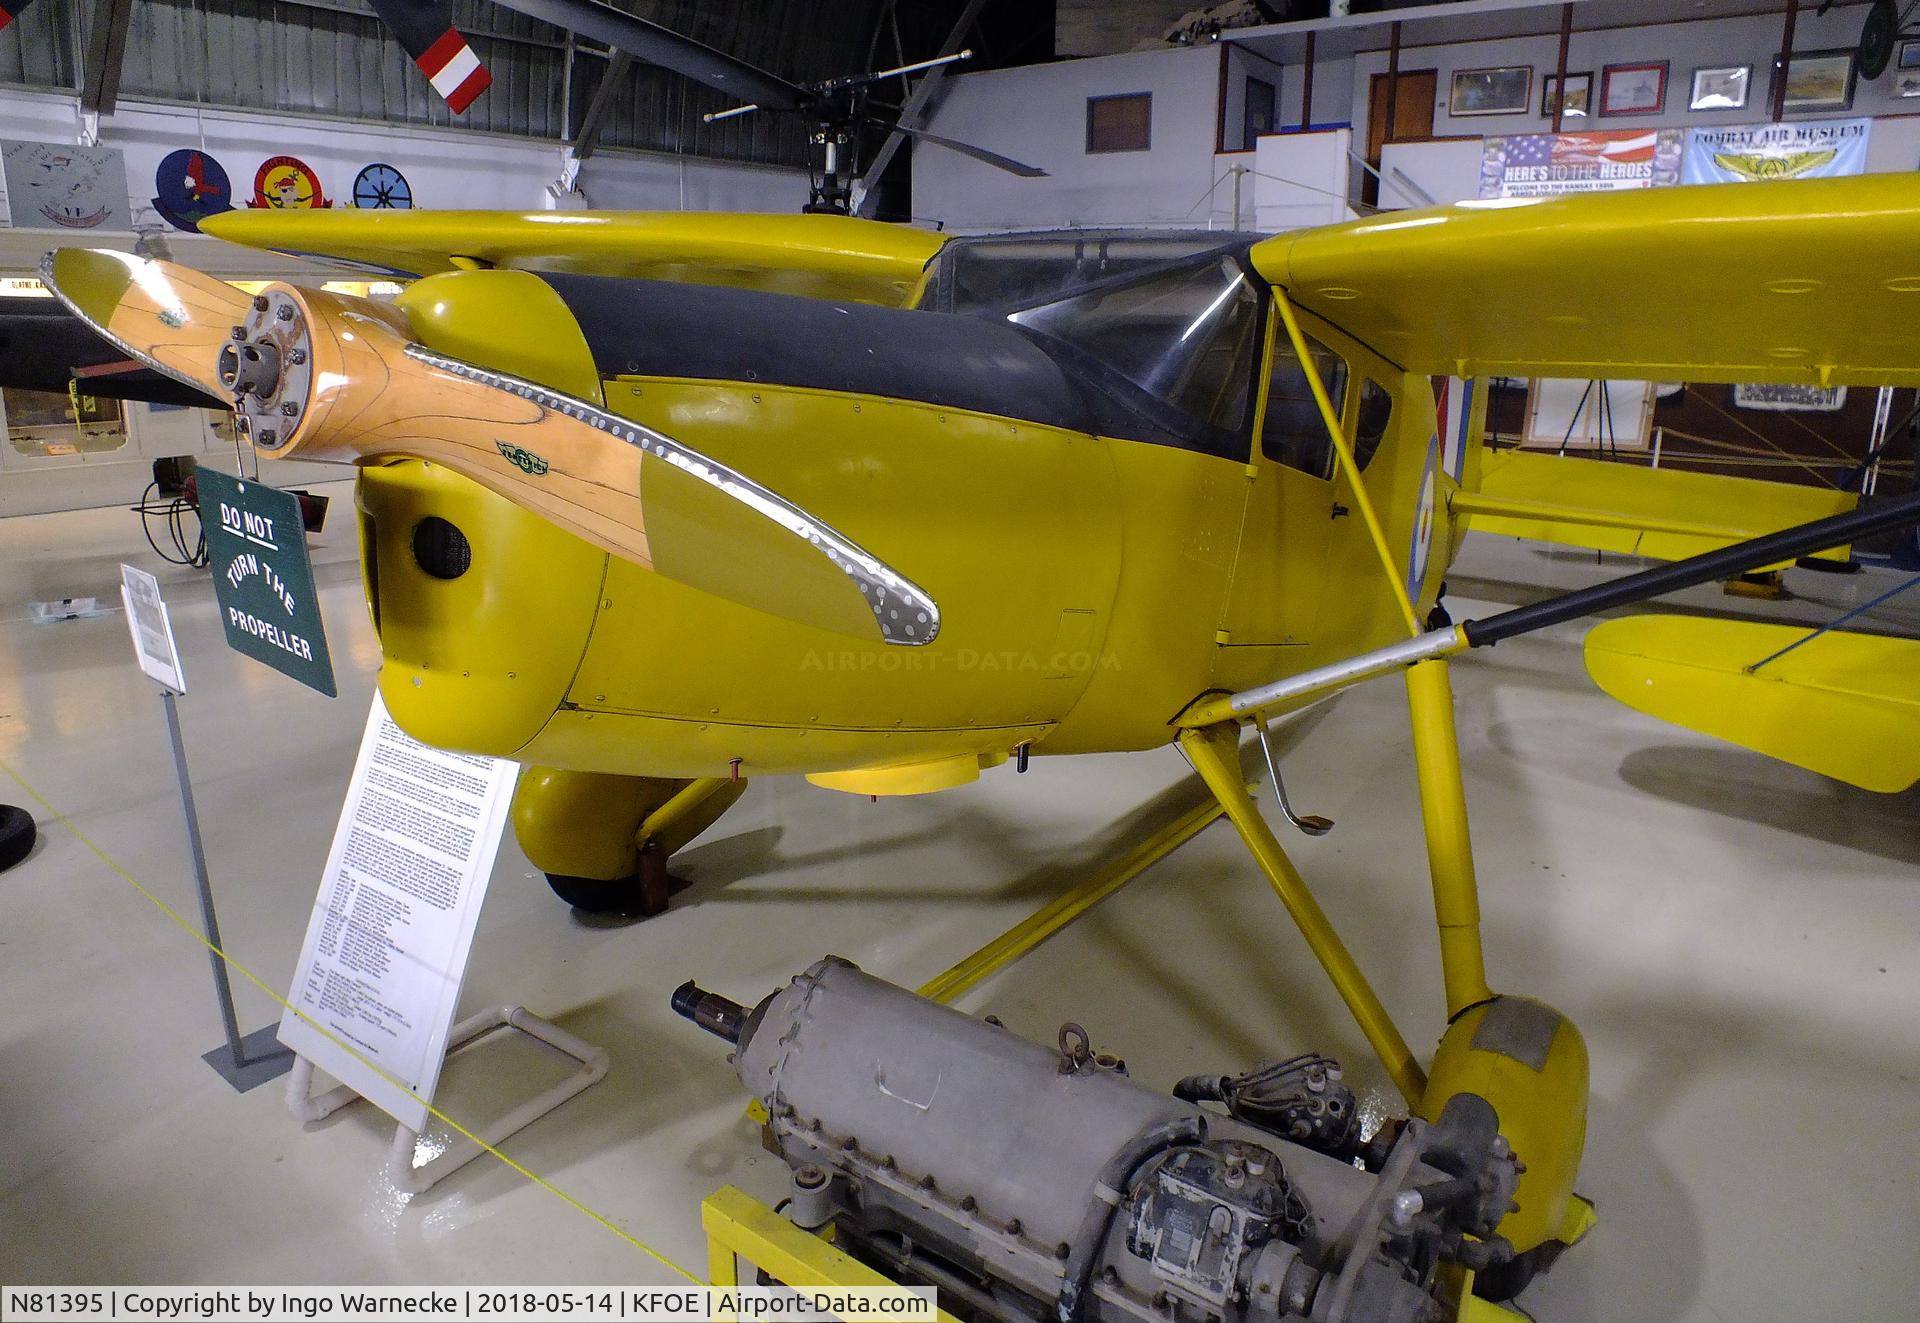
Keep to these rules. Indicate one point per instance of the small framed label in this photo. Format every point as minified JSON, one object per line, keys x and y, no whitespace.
{"x":152,"y":629}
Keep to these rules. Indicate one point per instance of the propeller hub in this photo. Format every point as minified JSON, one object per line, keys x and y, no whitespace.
{"x":268,"y":365}
{"x":252,"y":368}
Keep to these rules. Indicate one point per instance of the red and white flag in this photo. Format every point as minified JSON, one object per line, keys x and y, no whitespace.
{"x":454,"y":70}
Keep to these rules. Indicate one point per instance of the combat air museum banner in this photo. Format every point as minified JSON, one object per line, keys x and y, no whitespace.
{"x":1749,"y":153}
{"x":386,"y":948}
{"x":1538,"y":165}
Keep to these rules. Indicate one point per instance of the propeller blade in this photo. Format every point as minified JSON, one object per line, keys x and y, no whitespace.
{"x":325,"y":376}
{"x":173,"y":319}
{"x":425,"y":28}
{"x":669,"y":49}
{"x":994,"y":159}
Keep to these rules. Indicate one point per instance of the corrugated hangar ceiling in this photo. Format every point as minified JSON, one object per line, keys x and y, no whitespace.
{"x":333,"y":58}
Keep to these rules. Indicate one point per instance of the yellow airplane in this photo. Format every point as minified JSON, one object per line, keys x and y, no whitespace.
{"x":657,"y":504}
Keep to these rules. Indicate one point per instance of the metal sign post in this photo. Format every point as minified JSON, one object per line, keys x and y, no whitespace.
{"x":247,"y":1062}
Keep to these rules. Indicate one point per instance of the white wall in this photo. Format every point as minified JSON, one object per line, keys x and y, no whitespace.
{"x":1301,"y":181}
{"x":1038,"y":114}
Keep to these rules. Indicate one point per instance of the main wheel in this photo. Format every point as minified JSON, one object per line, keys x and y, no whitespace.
{"x":598,"y":895}
{"x":17,"y":834}
{"x":639,"y":895}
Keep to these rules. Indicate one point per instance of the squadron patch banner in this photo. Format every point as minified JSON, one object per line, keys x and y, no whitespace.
{"x":1749,"y":153}
{"x":1538,"y":165}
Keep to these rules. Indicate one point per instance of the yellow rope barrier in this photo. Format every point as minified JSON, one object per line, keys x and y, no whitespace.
{"x":166,"y":909}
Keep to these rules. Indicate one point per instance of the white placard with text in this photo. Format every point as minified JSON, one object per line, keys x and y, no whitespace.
{"x":152,"y":629}
{"x":387,"y":946}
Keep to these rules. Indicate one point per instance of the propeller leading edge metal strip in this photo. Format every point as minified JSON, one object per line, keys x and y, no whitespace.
{"x":329,"y":377}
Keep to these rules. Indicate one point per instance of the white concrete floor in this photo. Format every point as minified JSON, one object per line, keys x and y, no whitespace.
{"x":1737,"y":939}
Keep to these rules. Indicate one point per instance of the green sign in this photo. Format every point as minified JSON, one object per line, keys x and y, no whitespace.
{"x":262,"y":579}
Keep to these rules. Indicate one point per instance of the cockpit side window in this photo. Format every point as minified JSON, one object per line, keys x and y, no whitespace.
{"x":1293,"y":432}
{"x":1186,"y":336}
{"x":1370,"y":418}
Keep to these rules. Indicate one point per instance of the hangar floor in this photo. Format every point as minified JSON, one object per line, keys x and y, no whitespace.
{"x":1736,"y":938}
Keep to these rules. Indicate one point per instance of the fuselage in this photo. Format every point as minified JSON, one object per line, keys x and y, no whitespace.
{"x":1114,"y":486}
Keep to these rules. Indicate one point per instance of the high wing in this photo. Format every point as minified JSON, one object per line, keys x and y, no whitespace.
{"x":834,"y":257}
{"x":1810,"y":281}
{"x":1842,"y":704}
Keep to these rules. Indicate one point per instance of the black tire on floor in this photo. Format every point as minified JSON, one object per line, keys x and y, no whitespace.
{"x":17,"y":834}
{"x":599,"y":895}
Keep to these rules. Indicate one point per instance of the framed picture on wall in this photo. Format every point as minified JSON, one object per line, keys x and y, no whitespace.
{"x":1910,"y":55}
{"x":1818,"y":81}
{"x":1720,"y":89}
{"x":1491,"y":91}
{"x":1579,"y":95}
{"x":1633,"y":89}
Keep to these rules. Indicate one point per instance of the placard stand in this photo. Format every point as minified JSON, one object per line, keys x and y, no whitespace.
{"x":245,"y":1063}
{"x":416,"y":1179}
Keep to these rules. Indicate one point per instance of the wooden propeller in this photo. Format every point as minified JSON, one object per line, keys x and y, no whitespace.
{"x":326,"y":376}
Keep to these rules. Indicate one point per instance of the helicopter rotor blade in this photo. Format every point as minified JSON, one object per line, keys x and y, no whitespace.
{"x":994,"y":159}
{"x":663,"y":46}
{"x":424,"y":28}
{"x":331,"y":377}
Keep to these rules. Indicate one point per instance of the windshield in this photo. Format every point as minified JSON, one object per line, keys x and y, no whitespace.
{"x":1184,"y":336}
{"x":995,"y":273}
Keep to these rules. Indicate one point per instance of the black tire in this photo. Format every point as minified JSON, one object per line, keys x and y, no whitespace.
{"x":1877,"y":36}
{"x":17,"y":835}
{"x":599,"y":895}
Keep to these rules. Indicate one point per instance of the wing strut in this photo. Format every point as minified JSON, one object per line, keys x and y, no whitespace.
{"x":1344,"y":448}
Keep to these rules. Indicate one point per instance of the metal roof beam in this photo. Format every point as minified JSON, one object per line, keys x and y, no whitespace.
{"x":596,"y":117}
{"x":106,"y":52}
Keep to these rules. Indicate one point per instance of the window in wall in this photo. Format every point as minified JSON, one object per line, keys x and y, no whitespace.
{"x":1260,"y":102}
{"x":42,"y":423}
{"x":1293,"y":433}
{"x":1120,"y":123}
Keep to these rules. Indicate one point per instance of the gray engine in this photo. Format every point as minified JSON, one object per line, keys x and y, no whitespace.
{"x":1029,"y":1183}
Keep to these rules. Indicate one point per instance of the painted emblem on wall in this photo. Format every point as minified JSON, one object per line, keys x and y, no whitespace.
{"x":190,"y":186}
{"x":74,"y":188}
{"x":382,"y":187}
{"x":287,"y":183}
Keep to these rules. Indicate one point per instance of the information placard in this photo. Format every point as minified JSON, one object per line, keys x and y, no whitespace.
{"x":152,"y":629}
{"x":257,"y":548}
{"x":387,"y":945}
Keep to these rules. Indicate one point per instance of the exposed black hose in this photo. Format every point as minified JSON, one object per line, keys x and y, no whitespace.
{"x":1801,"y":540}
{"x":1108,"y":1192}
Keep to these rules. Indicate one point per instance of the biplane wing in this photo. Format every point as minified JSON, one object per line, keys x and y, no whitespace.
{"x":1843,"y":704}
{"x":819,"y":256}
{"x":1664,"y":514}
{"x":1805,"y":281}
